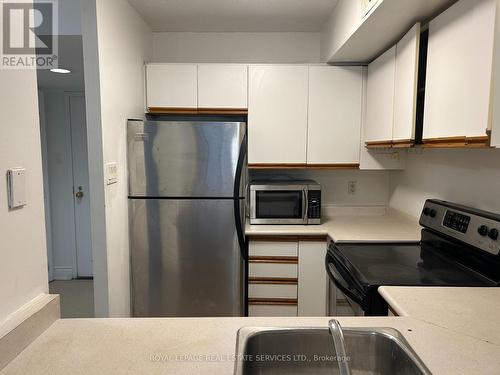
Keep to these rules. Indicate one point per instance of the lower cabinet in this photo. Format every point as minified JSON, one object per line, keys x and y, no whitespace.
{"x":287,"y":277}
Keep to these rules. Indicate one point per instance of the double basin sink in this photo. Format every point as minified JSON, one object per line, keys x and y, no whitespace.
{"x":298,"y":351}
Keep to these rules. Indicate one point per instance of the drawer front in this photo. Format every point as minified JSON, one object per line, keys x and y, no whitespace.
{"x":272,"y":310}
{"x":272,"y":291}
{"x":272,"y":270}
{"x":273,"y":248}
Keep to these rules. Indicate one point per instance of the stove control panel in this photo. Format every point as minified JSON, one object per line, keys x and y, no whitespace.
{"x":474,"y":227}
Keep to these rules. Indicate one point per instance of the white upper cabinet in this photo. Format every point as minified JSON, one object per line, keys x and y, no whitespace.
{"x":334,"y":116}
{"x":380,"y":98}
{"x":459,"y":71}
{"x":405,"y":86}
{"x":222,"y":86}
{"x":277,"y":114}
{"x":172,"y":85}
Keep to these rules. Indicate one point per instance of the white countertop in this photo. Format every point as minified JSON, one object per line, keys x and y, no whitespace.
{"x":468,"y":311}
{"x":367,"y":226}
{"x":157,"y":346}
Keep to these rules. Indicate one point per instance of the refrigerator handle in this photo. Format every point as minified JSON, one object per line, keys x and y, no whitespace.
{"x":237,"y":199}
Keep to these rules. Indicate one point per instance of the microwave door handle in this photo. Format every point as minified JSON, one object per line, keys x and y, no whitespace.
{"x":305,"y":205}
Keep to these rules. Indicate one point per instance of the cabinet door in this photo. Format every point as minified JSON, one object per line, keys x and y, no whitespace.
{"x":172,"y":85}
{"x":405,"y":86}
{"x":222,"y":86}
{"x":334,"y":116}
{"x":277,"y":114}
{"x":380,"y":98}
{"x":459,"y":71}
{"x":312,"y":292}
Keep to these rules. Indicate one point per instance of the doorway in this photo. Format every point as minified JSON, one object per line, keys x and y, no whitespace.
{"x":63,"y":127}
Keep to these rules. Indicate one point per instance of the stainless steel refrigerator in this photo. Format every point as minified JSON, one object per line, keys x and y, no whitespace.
{"x":187,"y":185}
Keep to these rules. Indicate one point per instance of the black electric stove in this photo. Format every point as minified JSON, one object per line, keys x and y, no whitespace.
{"x":459,"y":246}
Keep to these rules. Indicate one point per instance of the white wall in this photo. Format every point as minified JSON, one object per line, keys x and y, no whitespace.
{"x":178,"y":47}
{"x":470,"y":177}
{"x":23,"y":253}
{"x":115,"y":83}
{"x":345,"y":18}
{"x":372,"y":186}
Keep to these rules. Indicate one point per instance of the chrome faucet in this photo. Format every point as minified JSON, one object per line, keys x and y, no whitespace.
{"x":339,"y":346}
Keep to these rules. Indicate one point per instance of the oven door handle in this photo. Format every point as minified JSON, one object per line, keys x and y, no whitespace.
{"x":341,"y":282}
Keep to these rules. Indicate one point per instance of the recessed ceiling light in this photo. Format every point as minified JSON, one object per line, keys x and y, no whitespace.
{"x":62,"y":71}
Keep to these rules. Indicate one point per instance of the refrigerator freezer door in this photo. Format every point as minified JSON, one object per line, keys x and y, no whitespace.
{"x":183,"y":159}
{"x":186,"y":259}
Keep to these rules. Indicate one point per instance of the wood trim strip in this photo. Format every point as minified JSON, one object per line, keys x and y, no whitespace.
{"x":444,"y":142}
{"x":379,"y":144}
{"x":273,"y":280}
{"x":198,"y":111}
{"x":478,"y":142}
{"x":273,"y":301}
{"x":403,"y":143}
{"x":223,"y":111}
{"x":339,"y":166}
{"x":285,"y":238}
{"x":273,"y":260}
{"x":276,"y":166}
{"x":173,"y":110}
{"x":333,"y":166}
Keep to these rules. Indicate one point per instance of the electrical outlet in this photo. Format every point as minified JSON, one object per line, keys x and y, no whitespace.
{"x":352,"y":186}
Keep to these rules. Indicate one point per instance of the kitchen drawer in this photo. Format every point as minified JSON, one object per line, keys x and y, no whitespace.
{"x":273,"y":248}
{"x":272,"y":310}
{"x":272,"y":290}
{"x":262,"y":269}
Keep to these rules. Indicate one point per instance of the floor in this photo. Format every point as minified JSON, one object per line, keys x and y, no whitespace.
{"x":77,"y":297}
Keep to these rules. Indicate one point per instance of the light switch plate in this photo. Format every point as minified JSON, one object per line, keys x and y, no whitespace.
{"x":16,"y":187}
{"x":111,"y":173}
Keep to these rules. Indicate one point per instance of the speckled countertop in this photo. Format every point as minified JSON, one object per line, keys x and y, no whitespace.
{"x":368,"y":226}
{"x":205,"y":346}
{"x":467,"y":311}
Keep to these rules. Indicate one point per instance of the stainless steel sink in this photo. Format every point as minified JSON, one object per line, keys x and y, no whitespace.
{"x":311,"y":351}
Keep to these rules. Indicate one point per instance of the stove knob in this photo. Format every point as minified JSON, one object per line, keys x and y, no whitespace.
{"x":433,"y":213}
{"x":426,"y":211}
{"x":482,"y":230}
{"x":493,"y":234}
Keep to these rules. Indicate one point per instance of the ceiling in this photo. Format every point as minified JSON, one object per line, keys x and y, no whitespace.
{"x":235,"y":15}
{"x":70,"y":56}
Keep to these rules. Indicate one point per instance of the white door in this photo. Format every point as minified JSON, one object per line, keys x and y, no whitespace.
{"x":277,"y":114}
{"x":335,"y":104}
{"x":172,"y":85}
{"x":380,"y":98}
{"x":76,"y":105}
{"x":222,"y":86}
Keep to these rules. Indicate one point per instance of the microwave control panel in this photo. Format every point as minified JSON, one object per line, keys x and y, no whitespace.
{"x":314,"y":204}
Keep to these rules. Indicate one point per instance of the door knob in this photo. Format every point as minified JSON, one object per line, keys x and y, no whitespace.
{"x":79,"y":193}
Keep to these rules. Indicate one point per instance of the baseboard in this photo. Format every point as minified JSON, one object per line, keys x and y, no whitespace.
{"x":63,"y":273}
{"x":22,"y":327}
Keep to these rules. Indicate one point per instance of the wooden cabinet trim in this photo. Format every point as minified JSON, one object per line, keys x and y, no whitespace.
{"x":273,"y":260}
{"x":403,"y":143}
{"x":273,"y":280}
{"x":338,"y":166}
{"x":482,"y":141}
{"x":379,"y":144}
{"x":198,"y":111}
{"x":223,"y":111}
{"x":273,"y":301}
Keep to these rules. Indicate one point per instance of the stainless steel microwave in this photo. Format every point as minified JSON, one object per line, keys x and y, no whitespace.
{"x":285,"y":202}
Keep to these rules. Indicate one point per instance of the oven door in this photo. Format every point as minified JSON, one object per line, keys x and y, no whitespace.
{"x":341,"y":278}
{"x":278,"y":204}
